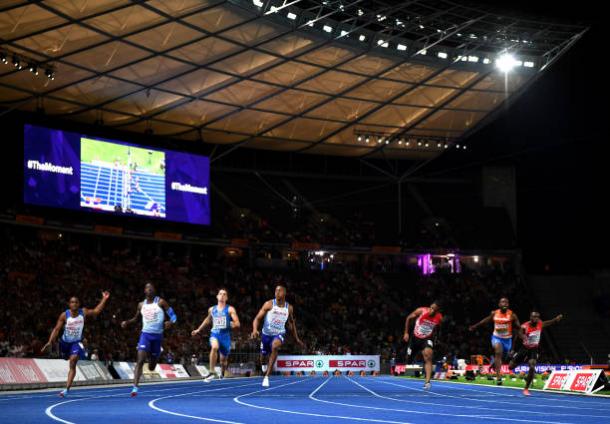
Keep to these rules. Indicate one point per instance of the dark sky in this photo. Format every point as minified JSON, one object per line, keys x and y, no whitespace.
{"x":556,"y":135}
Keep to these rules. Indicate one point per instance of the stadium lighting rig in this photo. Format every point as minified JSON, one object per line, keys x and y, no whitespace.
{"x":20,"y":62}
{"x":419,"y":143}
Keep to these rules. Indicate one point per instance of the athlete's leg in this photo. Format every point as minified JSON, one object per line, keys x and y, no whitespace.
{"x":498,"y":353}
{"x":72,"y":371}
{"x":137,"y":373}
{"x":275,"y":350}
{"x":213,"y":354}
{"x":530,"y":374}
{"x":224,"y":364}
{"x":427,"y":353}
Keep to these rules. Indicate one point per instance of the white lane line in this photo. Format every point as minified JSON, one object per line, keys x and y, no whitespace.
{"x":50,"y":414}
{"x":488,"y":417}
{"x":152,"y":405}
{"x":537,"y":405}
{"x":309,"y":414}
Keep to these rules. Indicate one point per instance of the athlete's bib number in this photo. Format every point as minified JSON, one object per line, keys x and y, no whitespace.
{"x":220,"y":323}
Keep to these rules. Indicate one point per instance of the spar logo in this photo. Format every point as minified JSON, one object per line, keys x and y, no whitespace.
{"x":319,"y":363}
{"x":558,"y":381}
{"x":295,"y":363}
{"x":347,"y":363}
{"x":581,"y":381}
{"x":371,"y":363}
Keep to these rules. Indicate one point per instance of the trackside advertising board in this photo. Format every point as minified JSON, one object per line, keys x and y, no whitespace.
{"x":580,"y":381}
{"x":321,"y":363}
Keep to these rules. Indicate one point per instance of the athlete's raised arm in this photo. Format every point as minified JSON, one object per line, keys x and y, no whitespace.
{"x":99,"y":308}
{"x":552,"y":321}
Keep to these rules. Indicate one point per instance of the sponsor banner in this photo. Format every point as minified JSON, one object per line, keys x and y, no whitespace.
{"x":93,"y":371}
{"x":487,"y":369}
{"x":56,"y":370}
{"x":171,"y":371}
{"x":542,"y":368}
{"x":20,"y":370}
{"x":124,"y":370}
{"x":321,"y":363}
{"x":581,"y":381}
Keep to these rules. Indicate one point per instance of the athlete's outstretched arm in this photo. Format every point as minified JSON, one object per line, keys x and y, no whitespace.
{"x":234,"y":318}
{"x":413,"y":315}
{"x":124,"y":324}
{"x":552,"y":321}
{"x":485,"y":320}
{"x":206,"y":321}
{"x":173,"y":318}
{"x":60,"y":323}
{"x":293,"y":326}
{"x":257,"y":319}
{"x":99,"y":308}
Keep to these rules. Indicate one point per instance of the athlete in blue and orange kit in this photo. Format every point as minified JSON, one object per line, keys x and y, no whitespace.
{"x":277,"y":313}
{"x":70,"y":343}
{"x":223,"y":318}
{"x":502,"y":337}
{"x":153,"y":310}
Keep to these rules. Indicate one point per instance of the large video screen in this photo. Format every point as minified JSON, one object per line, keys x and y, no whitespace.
{"x":74,"y":171}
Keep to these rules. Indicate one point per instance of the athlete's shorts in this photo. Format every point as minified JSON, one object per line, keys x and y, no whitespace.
{"x":416,"y":345}
{"x":267,"y":343}
{"x":525,"y":354}
{"x":507,"y":344}
{"x":150,"y":343}
{"x":68,"y":349}
{"x":224,"y":342}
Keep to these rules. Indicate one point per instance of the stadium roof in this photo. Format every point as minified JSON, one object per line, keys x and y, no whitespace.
{"x":350,"y":77}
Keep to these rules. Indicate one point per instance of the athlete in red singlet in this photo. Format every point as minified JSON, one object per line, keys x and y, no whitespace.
{"x":529,"y":351}
{"x":427,"y":321}
{"x":502,"y":337}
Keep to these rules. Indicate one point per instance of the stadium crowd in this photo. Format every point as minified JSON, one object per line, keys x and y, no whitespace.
{"x":350,"y":309}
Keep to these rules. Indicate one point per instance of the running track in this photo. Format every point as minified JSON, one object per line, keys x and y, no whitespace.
{"x":299,"y":400}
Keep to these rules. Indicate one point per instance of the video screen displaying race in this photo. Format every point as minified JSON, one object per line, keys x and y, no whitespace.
{"x":70,"y":170}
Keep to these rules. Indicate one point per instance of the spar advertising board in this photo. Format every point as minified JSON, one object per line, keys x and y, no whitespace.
{"x":28,"y":371}
{"x":579,"y":381}
{"x":321,"y":363}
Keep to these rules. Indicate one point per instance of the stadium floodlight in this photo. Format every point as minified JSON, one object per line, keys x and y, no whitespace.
{"x":487,"y":61}
{"x":457,"y":146}
{"x":362,"y":37}
{"x":408,"y":143}
{"x":473,"y":59}
{"x":382,"y":43}
{"x":327,"y":28}
{"x":367,"y":139}
{"x":291,"y":16}
{"x":258,"y":3}
{"x":3,"y":57}
{"x":401,"y":47}
{"x":344,"y":33}
{"x":423,"y":52}
{"x":442,"y":55}
{"x":528,"y":64}
{"x":506,"y":62}
{"x":359,"y":138}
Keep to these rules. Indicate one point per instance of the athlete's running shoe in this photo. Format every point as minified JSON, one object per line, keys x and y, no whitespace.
{"x":134,"y":391}
{"x":209,"y":378}
{"x":63,"y":393}
{"x":266,"y":381}
{"x":526,"y":392}
{"x":427,"y":386}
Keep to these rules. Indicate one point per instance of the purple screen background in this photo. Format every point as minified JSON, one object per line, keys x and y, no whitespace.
{"x":58,"y":190}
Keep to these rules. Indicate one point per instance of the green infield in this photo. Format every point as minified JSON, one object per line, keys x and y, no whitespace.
{"x":145,"y":160}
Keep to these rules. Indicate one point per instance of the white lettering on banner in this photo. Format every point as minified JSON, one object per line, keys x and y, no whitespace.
{"x":582,"y":381}
{"x":49,"y":167}
{"x":176,"y":186}
{"x":321,"y":363}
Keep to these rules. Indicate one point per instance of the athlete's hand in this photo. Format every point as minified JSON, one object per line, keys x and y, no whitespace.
{"x":167,"y":325}
{"x":45,"y":347}
{"x":254,"y":334}
{"x":471,"y":328}
{"x":559,"y":317}
{"x":194,"y":333}
{"x":124,"y":324}
{"x":105,"y":295}
{"x":406,"y":337}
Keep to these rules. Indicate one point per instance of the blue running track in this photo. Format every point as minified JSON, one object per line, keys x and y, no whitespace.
{"x":304,"y":400}
{"x":105,"y":183}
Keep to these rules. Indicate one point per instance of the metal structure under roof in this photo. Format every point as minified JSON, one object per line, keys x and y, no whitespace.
{"x":351,"y":77}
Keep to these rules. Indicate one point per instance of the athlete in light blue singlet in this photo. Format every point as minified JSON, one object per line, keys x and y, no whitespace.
{"x":223,"y":318}
{"x":70,"y":343}
{"x":276,"y":314}
{"x":152,"y":310}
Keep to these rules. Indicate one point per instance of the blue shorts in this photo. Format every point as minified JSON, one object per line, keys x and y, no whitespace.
{"x":507,"y":344}
{"x":68,"y":349}
{"x":267,"y":343}
{"x":224,"y":342}
{"x":150,"y":343}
